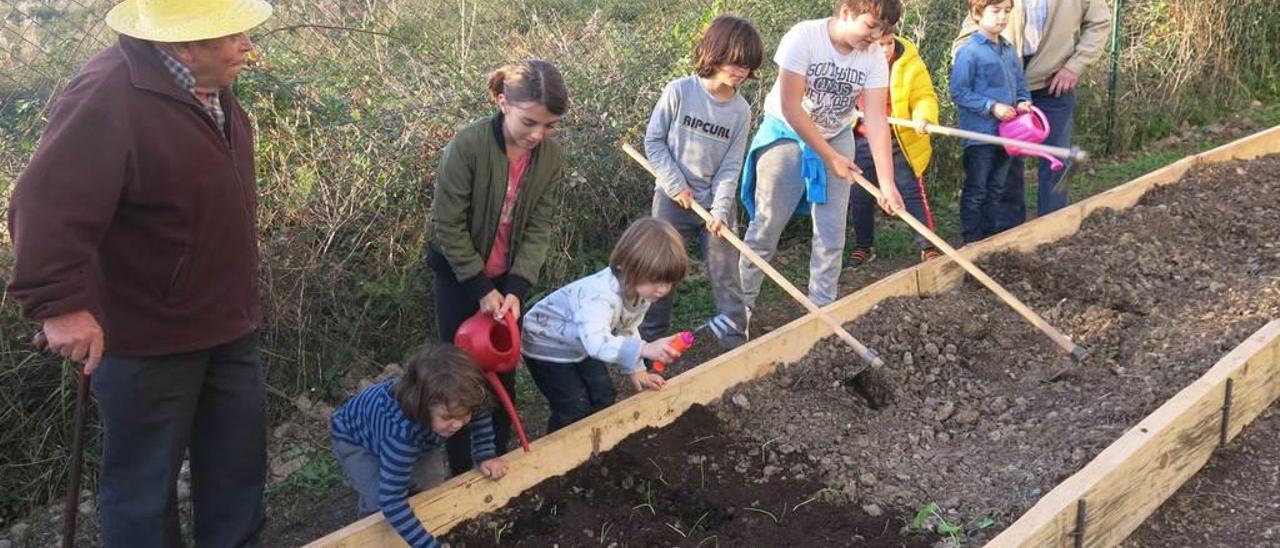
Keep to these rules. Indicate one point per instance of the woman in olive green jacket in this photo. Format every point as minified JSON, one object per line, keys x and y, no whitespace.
{"x":493,"y":212}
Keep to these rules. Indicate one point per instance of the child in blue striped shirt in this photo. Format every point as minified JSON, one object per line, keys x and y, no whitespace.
{"x":383,"y":435}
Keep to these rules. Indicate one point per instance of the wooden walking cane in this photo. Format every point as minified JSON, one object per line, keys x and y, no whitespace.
{"x":868,"y":356}
{"x":70,"y":505}
{"x":1077,"y":352}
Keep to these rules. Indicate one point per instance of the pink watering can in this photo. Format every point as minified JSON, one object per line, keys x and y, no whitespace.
{"x":1032,"y":127}
{"x":496,"y":349}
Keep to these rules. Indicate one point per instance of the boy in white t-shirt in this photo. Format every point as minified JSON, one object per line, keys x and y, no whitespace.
{"x":802,"y":155}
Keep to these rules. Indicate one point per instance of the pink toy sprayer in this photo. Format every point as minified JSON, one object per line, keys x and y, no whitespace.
{"x":1032,"y":127}
{"x":682,"y":342}
{"x":720,"y":326}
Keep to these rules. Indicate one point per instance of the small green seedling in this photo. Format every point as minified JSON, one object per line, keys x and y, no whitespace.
{"x":699,"y":440}
{"x":777,"y":519}
{"x":825,"y":494}
{"x":699,"y":522}
{"x":956,"y":531}
{"x":604,"y":532}
{"x":678,"y":531}
{"x":764,"y":450}
{"x":498,"y":530}
{"x":648,"y":499}
{"x":660,"y":472}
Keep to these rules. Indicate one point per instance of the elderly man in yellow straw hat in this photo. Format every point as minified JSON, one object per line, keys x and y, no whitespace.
{"x":135,"y":244}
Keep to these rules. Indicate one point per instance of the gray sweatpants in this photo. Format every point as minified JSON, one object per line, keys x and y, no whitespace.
{"x":361,"y":466}
{"x":721,"y":260}
{"x":779,"y":190}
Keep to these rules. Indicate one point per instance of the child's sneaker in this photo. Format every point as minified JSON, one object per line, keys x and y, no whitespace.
{"x":861,"y":256}
{"x":929,"y":254}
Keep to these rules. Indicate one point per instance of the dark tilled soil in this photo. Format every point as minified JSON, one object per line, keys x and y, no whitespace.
{"x":693,"y":484}
{"x":1157,"y":294}
{"x":325,"y":512}
{"x":1233,"y":501}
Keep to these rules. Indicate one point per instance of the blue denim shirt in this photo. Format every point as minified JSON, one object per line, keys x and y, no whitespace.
{"x":985,"y":73}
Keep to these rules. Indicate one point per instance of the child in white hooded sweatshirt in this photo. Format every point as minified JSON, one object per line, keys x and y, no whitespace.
{"x":569,"y":336}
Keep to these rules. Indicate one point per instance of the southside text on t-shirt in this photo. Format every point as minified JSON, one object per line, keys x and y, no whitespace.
{"x":832,"y":81}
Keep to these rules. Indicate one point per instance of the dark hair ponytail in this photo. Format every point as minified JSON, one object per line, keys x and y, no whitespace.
{"x":534,"y":81}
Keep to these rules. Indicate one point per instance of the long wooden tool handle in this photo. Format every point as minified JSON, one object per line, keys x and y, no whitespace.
{"x":865,"y":353}
{"x":1072,"y":153}
{"x":1077,"y":351}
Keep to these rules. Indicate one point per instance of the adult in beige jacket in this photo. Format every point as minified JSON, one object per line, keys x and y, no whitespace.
{"x":1057,"y":40}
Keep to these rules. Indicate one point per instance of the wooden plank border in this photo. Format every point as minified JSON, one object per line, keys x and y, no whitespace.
{"x":470,"y":495}
{"x":1134,"y":475}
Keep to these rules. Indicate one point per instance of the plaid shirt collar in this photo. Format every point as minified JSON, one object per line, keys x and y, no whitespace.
{"x":186,"y":81}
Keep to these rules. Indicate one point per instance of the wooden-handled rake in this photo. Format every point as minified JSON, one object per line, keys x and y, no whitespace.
{"x":869,"y":357}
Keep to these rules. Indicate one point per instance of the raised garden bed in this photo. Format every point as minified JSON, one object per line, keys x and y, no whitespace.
{"x":1157,"y":294}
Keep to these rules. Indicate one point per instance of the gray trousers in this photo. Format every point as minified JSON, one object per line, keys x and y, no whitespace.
{"x":361,"y":467}
{"x":721,"y":260}
{"x":210,"y":404}
{"x":779,"y":189}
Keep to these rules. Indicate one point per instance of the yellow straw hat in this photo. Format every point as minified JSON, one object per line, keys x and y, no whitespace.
{"x":186,"y":20}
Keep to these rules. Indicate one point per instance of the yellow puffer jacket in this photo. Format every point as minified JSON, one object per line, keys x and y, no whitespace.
{"x":912,"y":96}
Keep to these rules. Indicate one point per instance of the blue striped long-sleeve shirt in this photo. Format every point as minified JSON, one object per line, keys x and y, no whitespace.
{"x":374,"y":420}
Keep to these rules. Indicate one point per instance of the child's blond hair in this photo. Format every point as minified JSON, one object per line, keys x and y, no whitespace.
{"x":650,"y":251}
{"x":440,"y":374}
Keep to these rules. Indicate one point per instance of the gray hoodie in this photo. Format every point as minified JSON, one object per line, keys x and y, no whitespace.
{"x":697,"y":141}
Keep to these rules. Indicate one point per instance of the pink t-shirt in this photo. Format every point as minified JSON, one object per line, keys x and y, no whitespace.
{"x":498,"y":261}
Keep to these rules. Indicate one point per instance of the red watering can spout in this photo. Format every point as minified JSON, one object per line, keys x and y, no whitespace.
{"x":496,"y":349}
{"x":510,"y":407}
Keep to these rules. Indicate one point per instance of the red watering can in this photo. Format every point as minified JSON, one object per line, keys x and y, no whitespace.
{"x":496,"y":349}
{"x":1032,"y":127}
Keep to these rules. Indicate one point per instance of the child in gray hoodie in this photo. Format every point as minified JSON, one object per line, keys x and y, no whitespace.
{"x":696,"y":141}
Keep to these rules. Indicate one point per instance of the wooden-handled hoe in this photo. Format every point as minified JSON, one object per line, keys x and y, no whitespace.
{"x":868,"y":357}
{"x":1076,"y":351}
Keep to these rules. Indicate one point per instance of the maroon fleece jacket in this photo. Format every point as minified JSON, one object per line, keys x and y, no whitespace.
{"x":137,"y":208}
